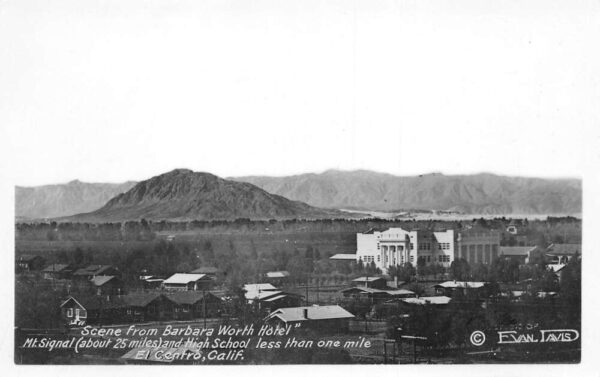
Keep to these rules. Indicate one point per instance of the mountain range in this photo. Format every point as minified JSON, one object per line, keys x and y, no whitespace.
{"x":67,"y":199}
{"x":186,"y":195}
{"x":473,"y":194}
{"x":183,"y":194}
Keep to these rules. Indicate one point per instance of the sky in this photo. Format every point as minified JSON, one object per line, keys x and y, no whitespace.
{"x":109,"y":91}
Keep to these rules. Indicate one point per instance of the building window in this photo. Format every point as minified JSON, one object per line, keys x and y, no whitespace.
{"x":412,"y":246}
{"x":412,"y":258}
{"x":77,"y":312}
{"x":379,"y":258}
{"x":70,"y":312}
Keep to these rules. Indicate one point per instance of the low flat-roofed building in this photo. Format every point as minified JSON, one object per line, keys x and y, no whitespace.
{"x":151,"y":281}
{"x":253,"y":291}
{"x":187,"y":282}
{"x":277,"y":277}
{"x":448,"y":288}
{"x":433,"y":300}
{"x":370,"y":282}
{"x":277,"y":274}
{"x":270,"y":297}
{"x":343,"y":257}
{"x":377,"y":295}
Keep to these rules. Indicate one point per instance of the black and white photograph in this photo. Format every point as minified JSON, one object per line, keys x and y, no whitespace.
{"x":393,"y":184}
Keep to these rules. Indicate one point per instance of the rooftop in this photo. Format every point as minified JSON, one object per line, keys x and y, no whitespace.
{"x":564,"y":249}
{"x":253,"y":290}
{"x":181,"y":278}
{"x":93,"y":269}
{"x":297,"y":314}
{"x":516,"y":250}
{"x":395,"y":292}
{"x":343,"y":257}
{"x":56,"y":268}
{"x":461,"y":284}
{"x":368,"y":278}
{"x":277,"y":274}
{"x":189,"y":297}
{"x":205,"y":270}
{"x":27,"y":257}
{"x":434,"y":300}
{"x":99,"y":281}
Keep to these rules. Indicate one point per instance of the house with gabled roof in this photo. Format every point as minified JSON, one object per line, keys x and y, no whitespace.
{"x":57,"y":271}
{"x":138,"y":307}
{"x":328,"y":318}
{"x":107,"y":285}
{"x":195,"y":304}
{"x":93,"y":270}
{"x":562,"y":253}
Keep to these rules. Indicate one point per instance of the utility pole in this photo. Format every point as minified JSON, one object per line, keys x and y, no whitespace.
{"x":307,"y":276}
{"x":204,"y":305}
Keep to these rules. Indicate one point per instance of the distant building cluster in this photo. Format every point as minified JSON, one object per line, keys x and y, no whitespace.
{"x":397,"y":246}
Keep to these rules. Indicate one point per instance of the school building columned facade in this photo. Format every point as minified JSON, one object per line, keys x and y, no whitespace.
{"x":396,"y":246}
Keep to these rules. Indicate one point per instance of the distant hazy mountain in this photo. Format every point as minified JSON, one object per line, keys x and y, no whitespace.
{"x":473,"y":194}
{"x":64,"y":199}
{"x":185,"y":195}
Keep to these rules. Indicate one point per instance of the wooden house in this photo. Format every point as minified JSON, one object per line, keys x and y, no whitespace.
{"x":107,"y":285}
{"x":86,"y":273}
{"x":30,"y":263}
{"x":195,"y":304}
{"x":57,"y":271}
{"x":370,"y":282}
{"x":103,"y":310}
{"x":330,"y":318}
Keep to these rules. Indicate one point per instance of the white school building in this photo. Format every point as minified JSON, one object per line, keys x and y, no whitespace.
{"x":397,"y":246}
